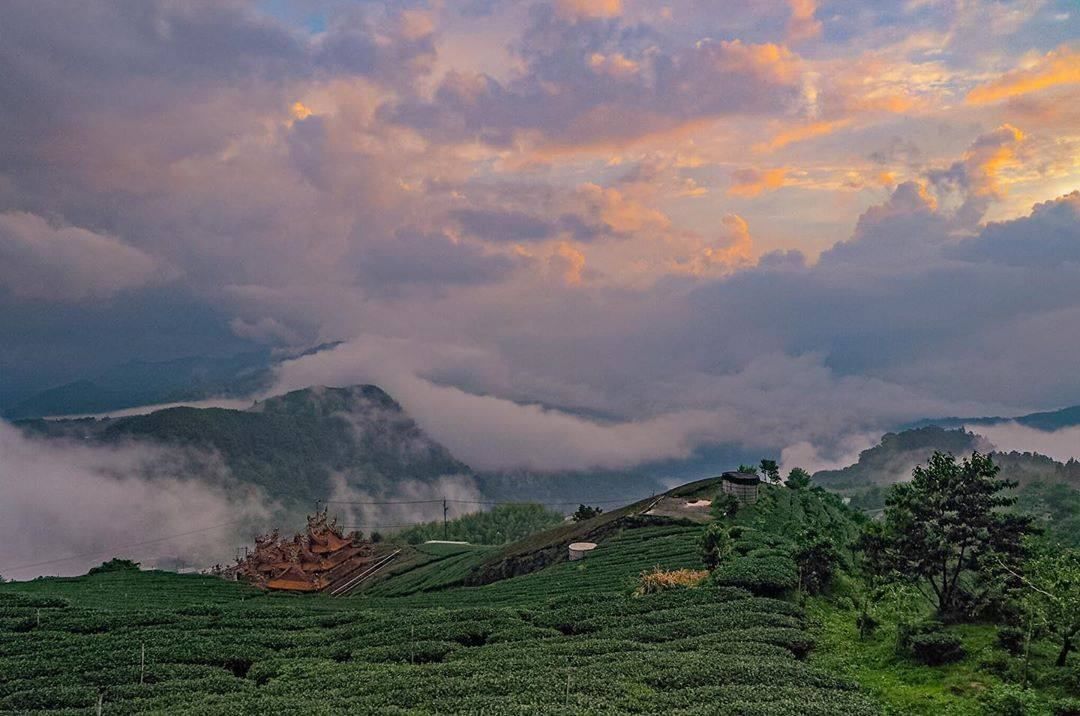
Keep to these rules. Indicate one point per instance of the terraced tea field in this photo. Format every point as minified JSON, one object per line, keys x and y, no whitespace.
{"x":568,"y":638}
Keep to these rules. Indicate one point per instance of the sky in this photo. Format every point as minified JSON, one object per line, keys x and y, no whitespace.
{"x":562,"y":233}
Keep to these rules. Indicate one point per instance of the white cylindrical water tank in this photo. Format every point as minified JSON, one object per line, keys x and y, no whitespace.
{"x":578,"y":550}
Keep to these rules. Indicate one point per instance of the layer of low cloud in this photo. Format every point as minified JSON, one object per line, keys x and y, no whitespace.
{"x":1062,"y":445}
{"x":59,"y":499}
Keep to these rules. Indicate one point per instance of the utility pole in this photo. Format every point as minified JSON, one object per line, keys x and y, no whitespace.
{"x":445,"y":526}
{"x":142,"y":664}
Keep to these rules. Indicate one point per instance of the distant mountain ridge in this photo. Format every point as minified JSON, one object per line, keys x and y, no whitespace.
{"x":1047,"y":420}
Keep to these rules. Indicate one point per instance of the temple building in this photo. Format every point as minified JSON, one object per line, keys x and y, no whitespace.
{"x":320,"y":559}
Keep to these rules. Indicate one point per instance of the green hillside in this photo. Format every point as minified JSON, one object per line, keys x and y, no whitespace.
{"x":566,"y":638}
{"x":774,"y":629}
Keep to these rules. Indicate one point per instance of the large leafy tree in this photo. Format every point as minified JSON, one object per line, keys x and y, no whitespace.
{"x":1053,"y":596}
{"x":945,"y":532}
{"x":770,"y":470}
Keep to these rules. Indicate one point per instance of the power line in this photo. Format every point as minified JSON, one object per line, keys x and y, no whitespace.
{"x":480,"y":502}
{"x":113,"y":550}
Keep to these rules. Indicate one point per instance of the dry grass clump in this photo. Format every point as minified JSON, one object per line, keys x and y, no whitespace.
{"x":659,"y":580}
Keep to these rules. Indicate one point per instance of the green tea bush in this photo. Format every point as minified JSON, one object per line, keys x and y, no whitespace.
{"x":936,"y":648}
{"x":770,"y":574}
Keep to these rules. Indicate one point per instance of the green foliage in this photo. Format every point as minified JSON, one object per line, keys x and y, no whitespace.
{"x":1055,"y":507}
{"x":1052,"y":596}
{"x":798,"y":479}
{"x":715,"y":545}
{"x":115,"y":565}
{"x":935,"y":648}
{"x":1011,"y":700}
{"x":770,"y":470}
{"x":945,"y":533}
{"x":499,"y":525}
{"x":724,"y":505}
{"x":767,"y":572}
{"x":817,"y":558}
{"x":584,"y":512}
{"x":1011,"y":639}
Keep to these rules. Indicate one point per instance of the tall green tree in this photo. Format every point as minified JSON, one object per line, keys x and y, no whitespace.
{"x":1053,"y":596}
{"x":945,"y":532}
{"x":798,"y":479}
{"x":816,"y":556}
{"x":770,"y":470}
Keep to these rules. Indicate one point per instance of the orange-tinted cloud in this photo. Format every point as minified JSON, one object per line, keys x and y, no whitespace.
{"x":568,"y":262}
{"x":802,"y":25}
{"x":1060,"y":67}
{"x":734,"y":248}
{"x":750,"y":182}
{"x":802,"y":132}
{"x":615,"y":65}
{"x":990,"y":154}
{"x":577,"y":9}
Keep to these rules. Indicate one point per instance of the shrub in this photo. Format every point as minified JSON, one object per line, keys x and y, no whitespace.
{"x":1011,"y":639}
{"x":115,"y":565}
{"x":765,"y":575}
{"x":866,"y":624}
{"x":936,"y":648}
{"x":1010,"y":700}
{"x":725,"y":505}
{"x":715,"y":545}
{"x":659,"y":580}
{"x":1065,"y":707}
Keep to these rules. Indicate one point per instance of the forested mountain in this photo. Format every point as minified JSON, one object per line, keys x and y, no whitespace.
{"x":290,"y":445}
{"x":893,"y":458}
{"x":1048,"y":489}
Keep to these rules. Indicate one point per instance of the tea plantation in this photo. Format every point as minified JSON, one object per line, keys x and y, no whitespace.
{"x":569,"y":638}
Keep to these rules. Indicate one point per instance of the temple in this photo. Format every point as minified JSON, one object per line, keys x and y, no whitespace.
{"x":320,"y":559}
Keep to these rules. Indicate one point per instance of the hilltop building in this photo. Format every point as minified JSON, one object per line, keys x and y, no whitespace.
{"x":743,"y":485}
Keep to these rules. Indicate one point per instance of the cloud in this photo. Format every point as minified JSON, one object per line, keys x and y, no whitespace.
{"x":1058,"y":67}
{"x":602,"y":84}
{"x":67,"y":263}
{"x":1062,"y":445}
{"x":580,"y":9}
{"x":433,"y":260}
{"x":58,"y":499}
{"x":802,"y":25}
{"x":751,"y":182}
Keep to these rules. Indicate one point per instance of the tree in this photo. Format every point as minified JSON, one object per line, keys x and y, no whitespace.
{"x":943,"y":532}
{"x":750,"y":469}
{"x":798,"y":479}
{"x":770,"y":470}
{"x":1053,"y":597}
{"x":816,"y":557}
{"x":715,"y":545}
{"x":584,"y":512}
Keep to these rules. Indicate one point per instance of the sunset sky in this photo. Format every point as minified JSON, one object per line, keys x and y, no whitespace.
{"x":562,"y":234}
